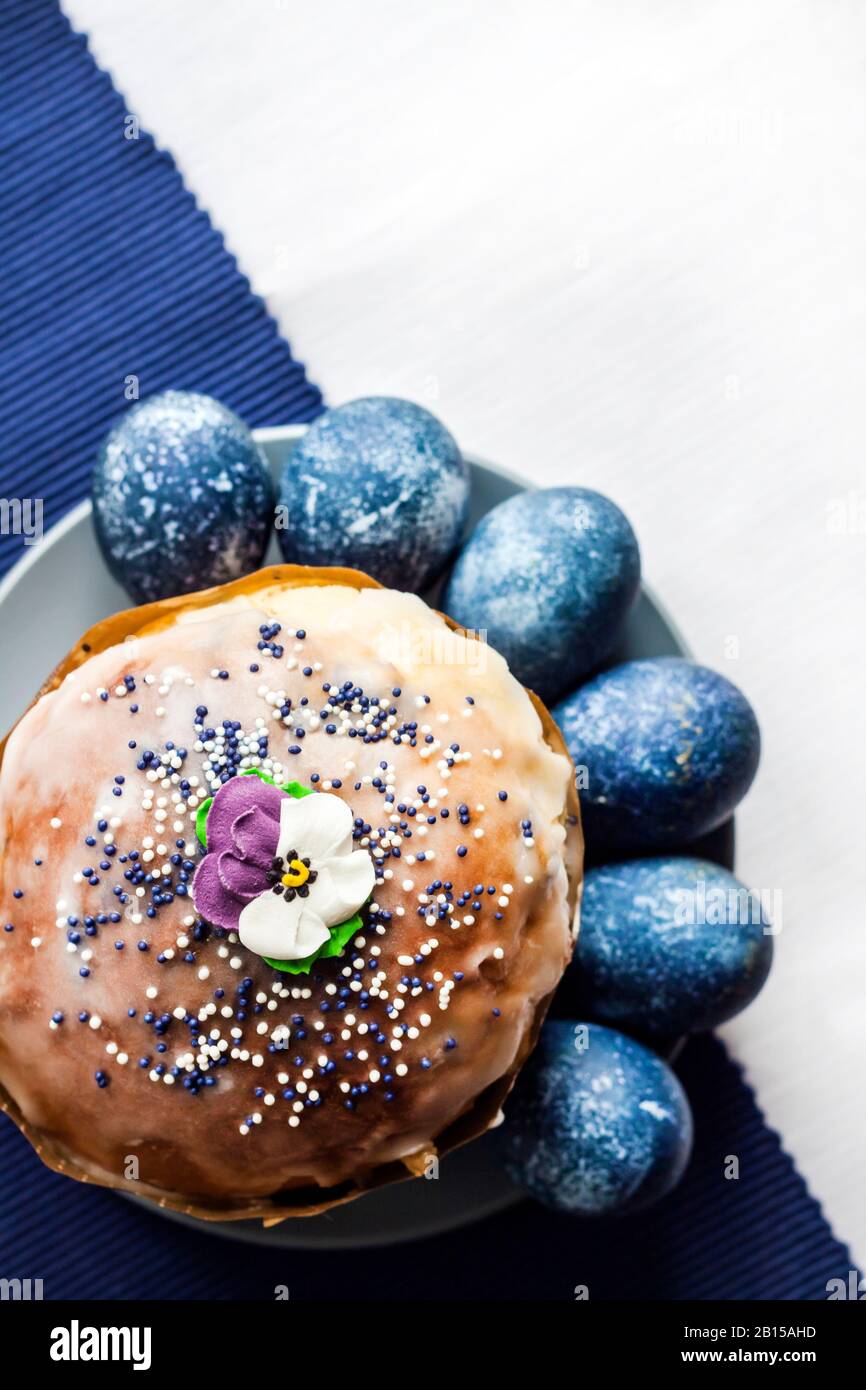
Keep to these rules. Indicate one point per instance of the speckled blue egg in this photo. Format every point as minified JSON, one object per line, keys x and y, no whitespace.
{"x":667,"y":946}
{"x":669,"y":748}
{"x":550,"y":577}
{"x":597,"y":1124}
{"x":377,"y":485}
{"x":182,"y":497}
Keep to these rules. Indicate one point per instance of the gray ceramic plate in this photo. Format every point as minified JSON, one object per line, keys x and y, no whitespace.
{"x":63,"y":579}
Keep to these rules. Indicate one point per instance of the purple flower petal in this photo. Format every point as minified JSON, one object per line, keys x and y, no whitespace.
{"x":243,"y":831}
{"x":232,"y":799}
{"x":242,"y":880}
{"x":210,"y":897}
{"x":255,"y":834}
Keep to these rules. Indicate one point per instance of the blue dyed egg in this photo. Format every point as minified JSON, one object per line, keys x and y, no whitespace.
{"x":597,"y":1124}
{"x":669,"y":748}
{"x":550,"y":576}
{"x":377,"y":485}
{"x":182,"y":497}
{"x":667,"y":946}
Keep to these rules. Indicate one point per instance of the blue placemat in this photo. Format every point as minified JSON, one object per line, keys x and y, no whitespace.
{"x":761,"y":1236}
{"x":111,"y":272}
{"x":112,"y":279}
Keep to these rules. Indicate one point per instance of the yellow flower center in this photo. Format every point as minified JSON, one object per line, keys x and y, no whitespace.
{"x":296,"y":874}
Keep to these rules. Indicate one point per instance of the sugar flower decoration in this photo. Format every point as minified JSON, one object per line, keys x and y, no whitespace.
{"x":281,"y":870}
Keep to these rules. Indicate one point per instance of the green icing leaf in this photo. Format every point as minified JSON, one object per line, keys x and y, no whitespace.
{"x":201,"y":821}
{"x":296,"y":789}
{"x":257,"y":772}
{"x":341,"y":935}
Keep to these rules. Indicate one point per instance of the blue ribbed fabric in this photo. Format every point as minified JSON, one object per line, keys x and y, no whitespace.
{"x":761,"y":1236}
{"x":109,"y":269}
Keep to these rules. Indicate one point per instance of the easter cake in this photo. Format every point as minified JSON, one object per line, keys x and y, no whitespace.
{"x":290,"y":870}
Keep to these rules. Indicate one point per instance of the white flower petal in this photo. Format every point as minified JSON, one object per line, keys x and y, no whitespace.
{"x":350,"y":879}
{"x":317,"y":826}
{"x":270,"y":926}
{"x":326,"y":900}
{"x":312,"y":933}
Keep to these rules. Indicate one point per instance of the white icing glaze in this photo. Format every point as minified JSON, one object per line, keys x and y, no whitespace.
{"x":60,"y":766}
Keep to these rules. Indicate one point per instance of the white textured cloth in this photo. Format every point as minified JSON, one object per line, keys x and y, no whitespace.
{"x":622,"y":247}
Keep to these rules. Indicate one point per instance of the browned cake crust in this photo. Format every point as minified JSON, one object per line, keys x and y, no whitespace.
{"x":131,"y":1030}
